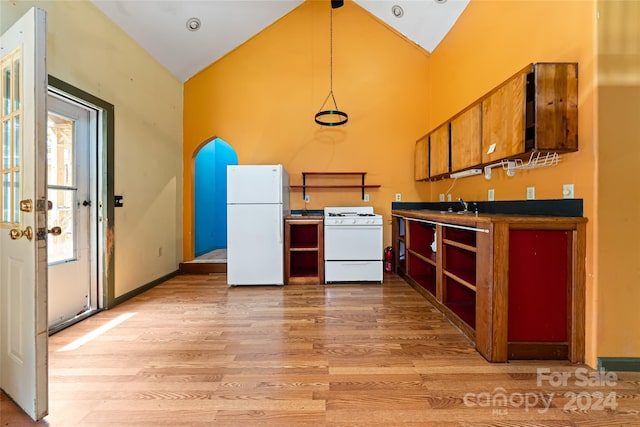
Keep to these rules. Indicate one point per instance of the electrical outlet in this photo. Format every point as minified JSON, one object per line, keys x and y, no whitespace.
{"x":448,"y":197}
{"x":442,"y":197}
{"x":398,"y":197}
{"x":307,"y":199}
{"x":567,"y":191}
{"x":531,"y":193}
{"x":491,"y":195}
{"x":366,"y":197}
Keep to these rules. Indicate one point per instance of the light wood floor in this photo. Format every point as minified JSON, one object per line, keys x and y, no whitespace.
{"x":194,"y":352}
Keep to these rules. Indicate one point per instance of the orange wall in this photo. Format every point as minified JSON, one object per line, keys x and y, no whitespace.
{"x":491,"y":41}
{"x":619,"y":196}
{"x":262,"y":98}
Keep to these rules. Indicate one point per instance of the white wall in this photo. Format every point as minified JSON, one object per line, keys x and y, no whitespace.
{"x":88,"y":51}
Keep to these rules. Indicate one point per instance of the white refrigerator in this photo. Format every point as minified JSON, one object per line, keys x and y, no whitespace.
{"x":257,"y":201}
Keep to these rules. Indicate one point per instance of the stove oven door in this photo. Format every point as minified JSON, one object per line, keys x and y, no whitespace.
{"x":353,"y":243}
{"x":353,"y":253}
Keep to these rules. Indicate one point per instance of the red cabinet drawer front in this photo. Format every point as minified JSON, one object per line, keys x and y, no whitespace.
{"x":538,"y":285}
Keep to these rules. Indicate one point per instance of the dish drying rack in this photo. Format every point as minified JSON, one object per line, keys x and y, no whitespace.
{"x":537,"y":159}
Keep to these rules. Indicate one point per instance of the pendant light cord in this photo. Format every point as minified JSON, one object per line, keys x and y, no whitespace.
{"x":341,"y":116}
{"x":331,"y":54}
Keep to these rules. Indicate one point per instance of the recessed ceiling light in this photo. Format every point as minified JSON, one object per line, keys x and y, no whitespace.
{"x":193,"y":24}
{"x":397,"y":11}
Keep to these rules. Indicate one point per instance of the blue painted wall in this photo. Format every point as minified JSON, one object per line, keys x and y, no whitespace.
{"x":211,"y":195}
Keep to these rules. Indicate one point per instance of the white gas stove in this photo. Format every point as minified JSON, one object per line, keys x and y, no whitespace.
{"x":353,"y":246}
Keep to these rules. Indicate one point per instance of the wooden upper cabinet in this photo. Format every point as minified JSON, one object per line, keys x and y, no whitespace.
{"x":439,"y":151}
{"x":535,"y":110}
{"x":421,"y":164}
{"x":556,"y":107}
{"x":503,"y":118}
{"x":466,"y":139}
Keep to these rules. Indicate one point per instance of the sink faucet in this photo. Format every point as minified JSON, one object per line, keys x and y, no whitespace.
{"x":464,"y":204}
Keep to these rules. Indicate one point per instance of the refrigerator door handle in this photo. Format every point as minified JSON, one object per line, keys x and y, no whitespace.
{"x":280,"y":233}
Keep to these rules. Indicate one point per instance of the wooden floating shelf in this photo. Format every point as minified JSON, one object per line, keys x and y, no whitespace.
{"x":305,"y":186}
{"x":296,"y":187}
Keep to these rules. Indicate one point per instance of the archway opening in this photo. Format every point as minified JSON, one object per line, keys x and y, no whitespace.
{"x":210,"y":199}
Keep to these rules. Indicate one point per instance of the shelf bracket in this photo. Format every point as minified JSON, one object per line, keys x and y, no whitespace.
{"x":304,"y":186}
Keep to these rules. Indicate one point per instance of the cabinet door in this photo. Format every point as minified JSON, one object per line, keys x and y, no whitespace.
{"x":466,"y":139}
{"x":503,"y":120}
{"x":556,"y":87}
{"x":439,"y":151}
{"x":421,"y":164}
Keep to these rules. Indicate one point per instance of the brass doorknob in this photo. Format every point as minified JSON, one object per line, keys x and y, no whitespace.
{"x":16,"y":233}
{"x":56,"y":231}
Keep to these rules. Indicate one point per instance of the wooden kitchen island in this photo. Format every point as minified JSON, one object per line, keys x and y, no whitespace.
{"x":513,"y":284}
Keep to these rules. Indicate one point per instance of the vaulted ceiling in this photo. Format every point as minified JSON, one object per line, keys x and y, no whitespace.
{"x":161,"y":26}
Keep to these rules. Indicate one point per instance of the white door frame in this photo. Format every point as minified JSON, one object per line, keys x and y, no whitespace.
{"x":104,"y":199}
{"x":94,"y":159}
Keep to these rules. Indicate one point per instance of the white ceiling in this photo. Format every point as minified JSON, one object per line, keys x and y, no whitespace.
{"x":159,"y":26}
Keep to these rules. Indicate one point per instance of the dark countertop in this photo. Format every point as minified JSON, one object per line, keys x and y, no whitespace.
{"x":307,"y":212}
{"x":473,"y":219}
{"x":553,"y":207}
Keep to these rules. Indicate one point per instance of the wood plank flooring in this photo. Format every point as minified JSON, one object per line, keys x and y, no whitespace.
{"x":195,"y":352}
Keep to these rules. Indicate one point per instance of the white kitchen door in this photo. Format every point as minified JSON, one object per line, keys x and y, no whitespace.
{"x":23,"y":214}
{"x":71,"y":190}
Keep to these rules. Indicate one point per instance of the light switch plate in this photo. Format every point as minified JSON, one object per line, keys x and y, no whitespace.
{"x":531,"y":193}
{"x":567,"y":191}
{"x":307,"y":198}
{"x":491,"y":195}
{"x":442,"y":197}
{"x":366,"y":197}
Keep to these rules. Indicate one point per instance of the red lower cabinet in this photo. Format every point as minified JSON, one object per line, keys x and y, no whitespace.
{"x":539,"y":283}
{"x":514,"y":285}
{"x":538,"y":296}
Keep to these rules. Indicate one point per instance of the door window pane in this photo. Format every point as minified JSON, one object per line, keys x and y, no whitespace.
{"x":16,"y":84}
{"x":6,"y":89}
{"x":10,"y":138}
{"x":60,"y":150}
{"x":16,"y":142}
{"x":6,"y":197}
{"x":62,"y":248}
{"x":6,"y":144}
{"x":16,"y":196}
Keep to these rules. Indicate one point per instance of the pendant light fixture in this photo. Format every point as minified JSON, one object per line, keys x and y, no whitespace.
{"x":328,"y":116}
